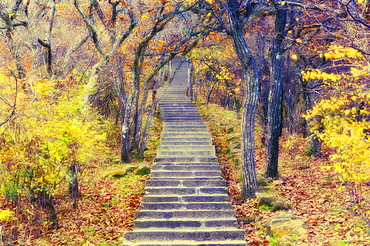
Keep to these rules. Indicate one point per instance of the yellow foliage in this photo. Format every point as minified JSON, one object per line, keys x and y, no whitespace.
{"x":5,"y":215}
{"x":342,"y":123}
{"x":336,"y":52}
{"x":47,"y":136}
{"x":224,"y":74}
{"x":318,"y":74}
{"x":348,"y":79}
{"x":298,"y":40}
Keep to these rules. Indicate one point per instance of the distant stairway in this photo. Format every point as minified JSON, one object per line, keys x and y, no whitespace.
{"x":186,"y":200}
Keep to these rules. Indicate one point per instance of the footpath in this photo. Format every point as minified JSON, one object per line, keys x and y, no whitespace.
{"x":185,"y":200}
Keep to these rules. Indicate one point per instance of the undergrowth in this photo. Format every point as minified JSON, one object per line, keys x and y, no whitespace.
{"x":314,"y":192}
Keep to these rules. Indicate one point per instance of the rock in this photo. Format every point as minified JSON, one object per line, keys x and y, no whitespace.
{"x":236,"y":145}
{"x":142,"y":170}
{"x":286,"y":229}
{"x":248,"y":219}
{"x":229,"y":129}
{"x":119,"y":173}
{"x":233,"y":138}
{"x":264,"y":181}
{"x":268,"y":200}
{"x":225,"y":150}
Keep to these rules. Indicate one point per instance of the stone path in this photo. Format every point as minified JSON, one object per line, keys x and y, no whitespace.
{"x":185,"y":201}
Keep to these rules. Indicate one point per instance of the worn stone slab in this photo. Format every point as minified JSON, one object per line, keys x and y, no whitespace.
{"x":186,"y":159}
{"x":184,"y":190}
{"x":186,"y":167}
{"x":189,"y":243}
{"x":169,"y":214}
{"x":216,"y":234}
{"x":183,"y":223}
{"x":179,"y":174}
{"x":186,"y":183}
{"x":186,"y":198}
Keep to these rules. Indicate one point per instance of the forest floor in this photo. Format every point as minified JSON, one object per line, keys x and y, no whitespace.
{"x":315,"y":193}
{"x":108,"y":205}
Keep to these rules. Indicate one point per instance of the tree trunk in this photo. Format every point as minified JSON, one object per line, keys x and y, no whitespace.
{"x":147,"y":125}
{"x":315,"y":144}
{"x":250,"y":185}
{"x":125,"y":104}
{"x":190,"y":79}
{"x":73,"y":185}
{"x":196,"y":86}
{"x":138,"y":116}
{"x":274,"y":106}
{"x":126,"y":108}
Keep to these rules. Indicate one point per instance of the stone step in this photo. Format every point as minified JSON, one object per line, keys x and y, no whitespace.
{"x":185,"y":223}
{"x":169,"y":214}
{"x":201,"y":235}
{"x":181,"y":117}
{"x":188,"y":163}
{"x":167,"y":142}
{"x":185,"y":134}
{"x":168,"y":103}
{"x":185,"y":129}
{"x":182,"y":174}
{"x":188,"y":178}
{"x":189,"y":206}
{"x":179,"y":109}
{"x":186,"y":183}
{"x":180,"y":113}
{"x":186,"y":147}
{"x":185,"y":159}
{"x":188,"y":130}
{"x":188,"y":243}
{"x":188,"y":139}
{"x":186,"y":167}
{"x":186,"y":198}
{"x":185,"y":153}
{"x":192,"y":123}
{"x":184,"y":190}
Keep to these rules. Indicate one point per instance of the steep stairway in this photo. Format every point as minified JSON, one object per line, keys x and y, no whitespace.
{"x":186,"y":200}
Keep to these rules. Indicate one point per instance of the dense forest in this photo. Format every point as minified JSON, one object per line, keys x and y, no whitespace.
{"x":81,"y":81}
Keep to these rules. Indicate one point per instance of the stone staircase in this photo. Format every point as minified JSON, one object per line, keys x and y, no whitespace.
{"x":185,"y":201}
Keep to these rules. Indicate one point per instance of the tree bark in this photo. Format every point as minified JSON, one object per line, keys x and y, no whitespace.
{"x":156,"y":99}
{"x":274,"y":106}
{"x":190,"y":80}
{"x":250,"y":185}
{"x":73,"y":185}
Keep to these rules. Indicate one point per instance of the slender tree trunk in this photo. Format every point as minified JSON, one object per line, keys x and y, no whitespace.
{"x":149,"y":120}
{"x":315,"y":144}
{"x":139,"y":113}
{"x":274,"y":106}
{"x":126,"y":108}
{"x":196,"y":86}
{"x":125,"y":104}
{"x":73,"y":185}
{"x":190,"y":79}
{"x":21,"y":71}
{"x":250,"y":185}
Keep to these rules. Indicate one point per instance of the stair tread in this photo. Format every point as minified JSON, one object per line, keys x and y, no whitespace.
{"x":186,"y":200}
